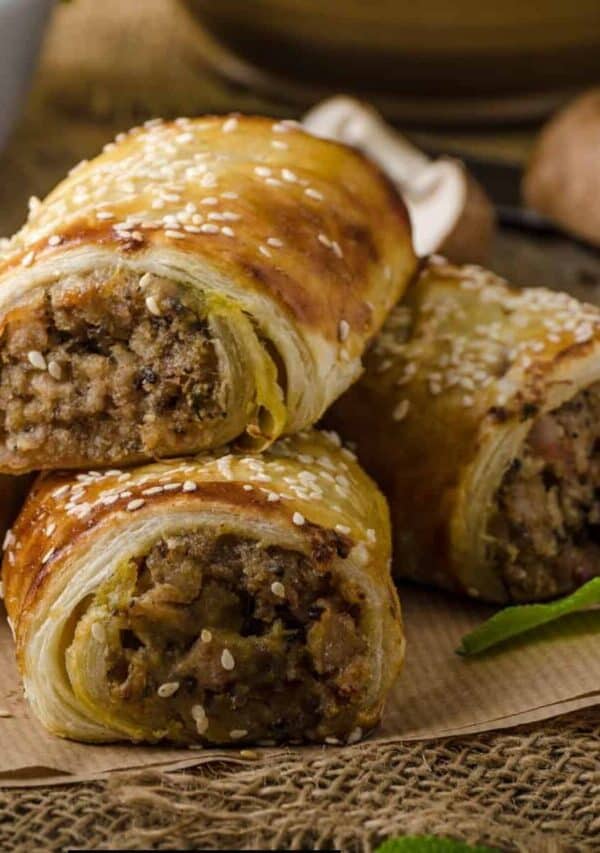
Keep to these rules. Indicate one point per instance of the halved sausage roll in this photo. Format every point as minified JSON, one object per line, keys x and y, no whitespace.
{"x":198,"y":281}
{"x":219,"y":599}
{"x":479,"y":414}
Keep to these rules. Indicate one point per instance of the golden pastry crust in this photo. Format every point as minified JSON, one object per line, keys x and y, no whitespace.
{"x":463,"y":369}
{"x":262,"y":222}
{"x":77,"y":579}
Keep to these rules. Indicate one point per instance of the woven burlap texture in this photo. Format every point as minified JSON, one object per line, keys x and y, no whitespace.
{"x":535,"y":789}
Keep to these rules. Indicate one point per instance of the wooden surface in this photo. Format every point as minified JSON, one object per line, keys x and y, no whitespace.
{"x":111,"y":64}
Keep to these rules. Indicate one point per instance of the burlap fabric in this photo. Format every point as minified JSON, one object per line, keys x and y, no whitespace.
{"x":106,"y":66}
{"x":535,"y":789}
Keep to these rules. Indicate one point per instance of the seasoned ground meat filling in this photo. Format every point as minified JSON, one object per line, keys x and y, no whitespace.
{"x":548,"y":525}
{"x":227,"y":639}
{"x":105,"y":368}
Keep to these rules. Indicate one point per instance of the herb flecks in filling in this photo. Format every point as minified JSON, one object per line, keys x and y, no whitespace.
{"x":547,"y":529}
{"x":227,"y":639}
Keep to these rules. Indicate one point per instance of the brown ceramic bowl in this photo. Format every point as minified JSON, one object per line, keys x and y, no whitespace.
{"x":432,"y":52}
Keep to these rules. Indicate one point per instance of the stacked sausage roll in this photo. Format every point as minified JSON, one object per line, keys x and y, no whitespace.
{"x":479,"y":415}
{"x":202,"y":282}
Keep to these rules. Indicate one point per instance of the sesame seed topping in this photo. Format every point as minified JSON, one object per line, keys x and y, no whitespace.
{"x":275,"y":242}
{"x":343,"y":330}
{"x":54,"y":240}
{"x":36,"y":359}
{"x":289,"y":176}
{"x":200,"y":718}
{"x":50,"y":528}
{"x":135,"y":504}
{"x":205,"y":635}
{"x":189,"y":486}
{"x":9,"y":540}
{"x":360,"y":554}
{"x":277,"y":143}
{"x":62,"y":490}
{"x":298,"y":519}
{"x":55,"y":370}
{"x":401,"y":410}
{"x":230,"y":125}
{"x":236,"y":734}
{"x":278,"y":589}
{"x":169,"y":688}
{"x":342,"y":528}
{"x":227,"y":660}
{"x":153,"y":306}
{"x":272,"y":497}
{"x":264,"y":251}
{"x":210,"y":200}
{"x":175,"y":235}
{"x":262,"y":171}
{"x":227,"y":231}
{"x":28,"y":259}
{"x":312,"y":193}
{"x":209,"y":228}
{"x":324,"y":239}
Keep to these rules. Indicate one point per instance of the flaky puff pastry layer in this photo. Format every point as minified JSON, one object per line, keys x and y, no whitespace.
{"x":298,"y":247}
{"x":66,"y":570}
{"x":451,"y":389}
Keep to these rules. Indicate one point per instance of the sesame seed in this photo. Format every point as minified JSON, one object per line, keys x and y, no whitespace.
{"x":355,"y":736}
{"x":169,"y":688}
{"x":230,"y":125}
{"x":371,"y":535}
{"x":236,"y":734}
{"x":360,"y":554}
{"x":227,"y":231}
{"x":332,"y":741}
{"x":278,"y":589}
{"x":205,"y":635}
{"x":175,"y":235}
{"x":262,"y":171}
{"x":343,"y":330}
{"x":209,"y":228}
{"x":277,"y":143}
{"x":62,"y":490}
{"x":36,"y":359}
{"x":275,"y":242}
{"x":298,"y":519}
{"x":208,"y":180}
{"x":264,"y":251}
{"x":54,"y":240}
{"x":153,"y":306}
{"x":135,"y":504}
{"x":9,"y":540}
{"x":28,"y":259}
{"x":312,"y":193}
{"x":289,"y":176}
{"x":170,"y":487}
{"x":324,"y":239}
{"x":247,"y":487}
{"x":189,"y":486}
{"x":229,"y":195}
{"x":200,"y":718}
{"x":104,"y":214}
{"x":55,"y":370}
{"x":337,"y":249}
{"x":342,"y":528}
{"x":401,"y":410}
{"x":50,"y":528}
{"x":98,"y":632}
{"x":210,"y":200}
{"x":272,"y":497}
{"x":227,"y":660}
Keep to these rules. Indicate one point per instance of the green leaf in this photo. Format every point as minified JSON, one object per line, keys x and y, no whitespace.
{"x":429,"y":844}
{"x":516,"y":620}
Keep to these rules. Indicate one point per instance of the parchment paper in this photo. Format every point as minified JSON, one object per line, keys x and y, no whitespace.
{"x":553,"y":671}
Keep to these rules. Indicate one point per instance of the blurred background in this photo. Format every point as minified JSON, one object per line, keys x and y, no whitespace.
{"x":465,"y":77}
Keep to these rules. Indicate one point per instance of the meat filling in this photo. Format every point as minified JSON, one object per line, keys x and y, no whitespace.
{"x":225,"y":639}
{"x":105,"y":368}
{"x":547,"y":531}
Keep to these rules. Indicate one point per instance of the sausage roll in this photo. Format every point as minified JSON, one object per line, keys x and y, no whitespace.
{"x":479,"y":414}
{"x":200,"y":280}
{"x":217,"y":599}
